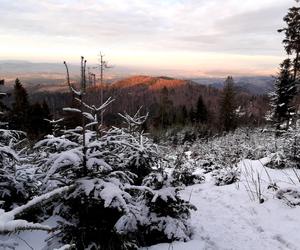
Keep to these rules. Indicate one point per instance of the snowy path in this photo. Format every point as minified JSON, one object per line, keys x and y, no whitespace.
{"x":227,"y":219}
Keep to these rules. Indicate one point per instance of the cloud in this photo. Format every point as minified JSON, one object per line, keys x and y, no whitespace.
{"x":228,"y":26}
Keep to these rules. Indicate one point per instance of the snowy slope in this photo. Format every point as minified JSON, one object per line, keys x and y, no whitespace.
{"x":227,"y":219}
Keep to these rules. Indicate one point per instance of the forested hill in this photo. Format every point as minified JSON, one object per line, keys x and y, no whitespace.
{"x":176,"y":97}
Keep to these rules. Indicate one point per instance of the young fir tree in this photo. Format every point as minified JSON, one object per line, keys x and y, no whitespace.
{"x":13,"y":178}
{"x":283,"y":95}
{"x":228,"y":116}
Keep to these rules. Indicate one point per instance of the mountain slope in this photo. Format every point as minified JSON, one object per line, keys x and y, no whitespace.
{"x":153,"y":83}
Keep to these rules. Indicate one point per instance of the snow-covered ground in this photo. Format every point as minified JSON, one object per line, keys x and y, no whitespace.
{"x":226,"y":217}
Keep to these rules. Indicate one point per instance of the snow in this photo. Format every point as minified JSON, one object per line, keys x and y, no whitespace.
{"x":72,"y":110}
{"x":9,"y":224}
{"x":65,"y":247}
{"x":227,"y":219}
{"x":113,"y":196}
{"x":165,"y":194}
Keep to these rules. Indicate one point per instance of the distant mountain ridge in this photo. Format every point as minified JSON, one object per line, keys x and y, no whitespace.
{"x":256,"y":85}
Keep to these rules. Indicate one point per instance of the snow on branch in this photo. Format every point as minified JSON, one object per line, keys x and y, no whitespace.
{"x":54,"y":121}
{"x":93,"y":107}
{"x":8,"y":152}
{"x":66,"y":247}
{"x":8,"y":224}
{"x":72,"y":89}
{"x":60,"y":143}
{"x":136,"y":120}
{"x":71,"y":110}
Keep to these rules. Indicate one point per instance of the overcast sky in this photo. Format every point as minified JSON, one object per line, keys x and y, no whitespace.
{"x":193,"y":37}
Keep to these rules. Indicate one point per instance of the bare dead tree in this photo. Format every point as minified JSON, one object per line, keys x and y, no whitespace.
{"x":102,"y":66}
{"x":80,"y":95}
{"x":87,"y":120}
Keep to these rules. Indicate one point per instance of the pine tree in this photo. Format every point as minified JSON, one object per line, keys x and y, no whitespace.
{"x":284,"y":93}
{"x":228,"y":117}
{"x":288,"y":77}
{"x":292,"y":38}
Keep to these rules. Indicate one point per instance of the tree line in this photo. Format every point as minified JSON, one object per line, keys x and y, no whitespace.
{"x":25,"y":116}
{"x":227,"y":114}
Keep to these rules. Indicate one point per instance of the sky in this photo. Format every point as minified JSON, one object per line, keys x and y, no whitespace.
{"x":184,"y":37}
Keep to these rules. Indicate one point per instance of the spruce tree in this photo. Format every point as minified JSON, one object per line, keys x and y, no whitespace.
{"x":20,"y":107}
{"x":292,"y":38}
{"x":285,"y":90}
{"x":288,"y":77}
{"x":228,"y":117}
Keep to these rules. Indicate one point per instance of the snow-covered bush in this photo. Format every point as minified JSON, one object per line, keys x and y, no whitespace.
{"x":226,"y":176}
{"x":15,"y":182}
{"x":184,"y":172}
{"x":278,"y":160}
{"x":292,"y":147}
{"x":164,"y":216}
{"x":208,"y":165}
